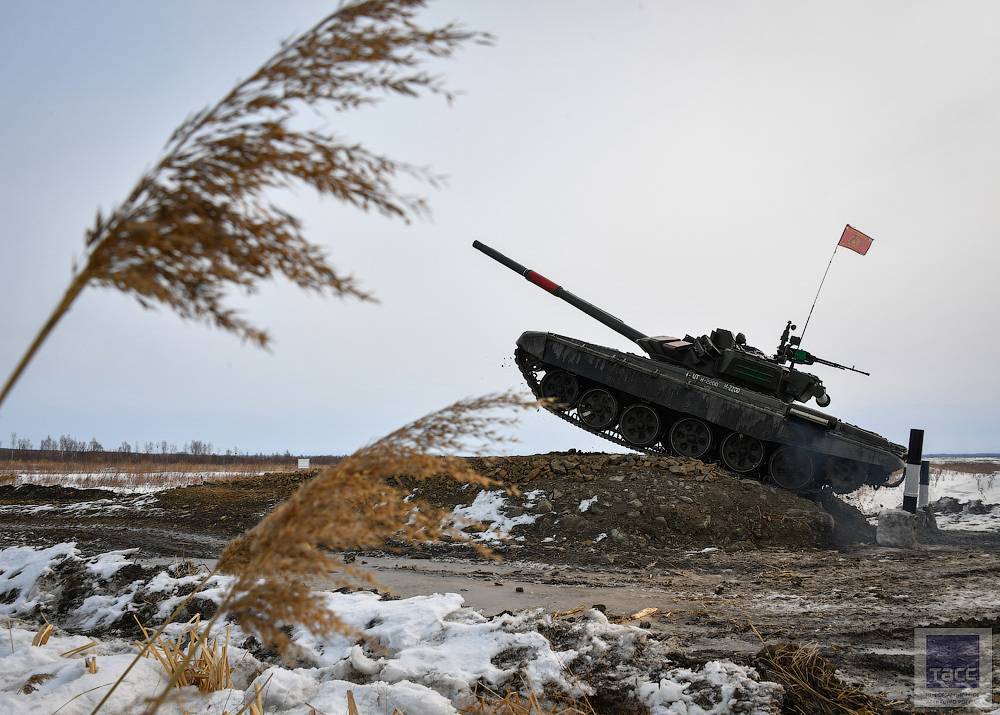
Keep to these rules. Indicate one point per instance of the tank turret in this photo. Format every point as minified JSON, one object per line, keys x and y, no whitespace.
{"x":717,"y":355}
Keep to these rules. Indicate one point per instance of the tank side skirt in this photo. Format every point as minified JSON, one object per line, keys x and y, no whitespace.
{"x":673,"y":388}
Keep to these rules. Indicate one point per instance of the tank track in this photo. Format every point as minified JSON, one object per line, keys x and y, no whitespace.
{"x":522,"y":360}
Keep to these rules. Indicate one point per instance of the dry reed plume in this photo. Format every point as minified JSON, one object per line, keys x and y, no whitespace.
{"x":356,"y":504}
{"x":200,"y":223}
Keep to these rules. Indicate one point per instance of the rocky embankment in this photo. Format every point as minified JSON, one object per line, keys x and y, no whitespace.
{"x":621,"y":508}
{"x":588,"y":508}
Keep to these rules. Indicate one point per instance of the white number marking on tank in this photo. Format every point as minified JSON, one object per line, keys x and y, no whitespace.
{"x":695,"y":377}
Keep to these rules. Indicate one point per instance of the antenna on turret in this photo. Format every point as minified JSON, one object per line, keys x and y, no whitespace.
{"x":851,"y":238}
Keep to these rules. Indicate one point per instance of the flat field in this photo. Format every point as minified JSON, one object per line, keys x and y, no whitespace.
{"x":719,"y":564}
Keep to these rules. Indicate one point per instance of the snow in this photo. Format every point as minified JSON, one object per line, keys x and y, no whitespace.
{"x":684,"y":691}
{"x":486,"y":509}
{"x":100,"y":611}
{"x":24,"y":572}
{"x":434,"y":640}
{"x":21,"y":569}
{"x":125,"y":482}
{"x":408,"y":697}
{"x":424,"y":654}
{"x":95,"y":507}
{"x":964,"y":486}
{"x":106,"y":565}
{"x":601,"y":537}
{"x":970,"y":522}
{"x":531,"y":497}
{"x":587,"y":503}
{"x":67,"y":689}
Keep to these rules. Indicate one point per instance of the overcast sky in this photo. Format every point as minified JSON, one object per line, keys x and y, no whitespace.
{"x":685,"y":165}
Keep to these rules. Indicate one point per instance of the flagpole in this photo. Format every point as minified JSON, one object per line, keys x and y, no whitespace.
{"x":809,"y":317}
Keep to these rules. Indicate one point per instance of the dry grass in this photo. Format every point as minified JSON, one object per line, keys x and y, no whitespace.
{"x":514,"y":703}
{"x":970,"y":467}
{"x":812,"y":686}
{"x":190,"y":658}
{"x":129,"y":477}
{"x":199,"y":223}
{"x":84,"y":467}
{"x":43,"y":634}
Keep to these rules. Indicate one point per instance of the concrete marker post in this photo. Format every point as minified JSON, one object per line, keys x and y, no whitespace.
{"x":925,"y":483}
{"x":911,"y":483}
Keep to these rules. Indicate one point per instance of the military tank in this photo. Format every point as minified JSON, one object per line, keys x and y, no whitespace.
{"x":712,"y":397}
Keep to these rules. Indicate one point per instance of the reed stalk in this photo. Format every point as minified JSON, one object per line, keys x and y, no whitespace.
{"x":200,"y":224}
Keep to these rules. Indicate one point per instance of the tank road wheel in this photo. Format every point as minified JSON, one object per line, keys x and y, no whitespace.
{"x":845,"y":475}
{"x":639,"y":425}
{"x":741,"y":453}
{"x":597,"y":409}
{"x":791,"y":468}
{"x":561,"y":387}
{"x":690,"y":437}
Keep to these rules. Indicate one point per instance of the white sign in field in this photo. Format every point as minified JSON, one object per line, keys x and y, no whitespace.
{"x":303,"y":464}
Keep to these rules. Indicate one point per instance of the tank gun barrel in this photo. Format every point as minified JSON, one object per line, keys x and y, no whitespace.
{"x":545,"y":284}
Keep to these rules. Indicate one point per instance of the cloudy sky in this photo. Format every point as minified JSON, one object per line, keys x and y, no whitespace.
{"x":686,"y":165}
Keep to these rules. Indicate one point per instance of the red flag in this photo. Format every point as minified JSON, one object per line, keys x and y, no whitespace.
{"x":855,"y":240}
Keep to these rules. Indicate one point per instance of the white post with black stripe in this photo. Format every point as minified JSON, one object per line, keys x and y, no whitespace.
{"x":923,"y":497}
{"x":911,"y":482}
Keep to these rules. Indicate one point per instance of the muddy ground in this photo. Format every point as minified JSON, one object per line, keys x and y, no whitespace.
{"x":725,"y":561}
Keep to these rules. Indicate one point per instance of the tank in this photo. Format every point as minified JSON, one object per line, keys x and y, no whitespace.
{"x":712,"y":397}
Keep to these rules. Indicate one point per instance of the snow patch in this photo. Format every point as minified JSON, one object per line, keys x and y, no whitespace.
{"x":142,"y":503}
{"x":126,"y":482}
{"x":424,"y":654}
{"x":720,"y":687}
{"x":21,"y":569}
{"x":106,"y":565}
{"x":487,"y":509}
{"x":587,"y":503}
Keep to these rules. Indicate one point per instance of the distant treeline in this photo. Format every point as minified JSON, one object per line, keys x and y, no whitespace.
{"x":120,"y":457}
{"x":963,"y":455}
{"x":68,"y":443}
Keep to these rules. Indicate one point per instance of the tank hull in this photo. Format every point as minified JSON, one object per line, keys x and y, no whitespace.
{"x":675,"y":392}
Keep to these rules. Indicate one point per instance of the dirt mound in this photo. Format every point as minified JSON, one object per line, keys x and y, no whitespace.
{"x":228,"y":508}
{"x":49,"y":494}
{"x":577,"y":507}
{"x":621,"y":508}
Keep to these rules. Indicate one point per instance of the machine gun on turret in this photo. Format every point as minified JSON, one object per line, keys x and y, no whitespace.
{"x":790,"y":352}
